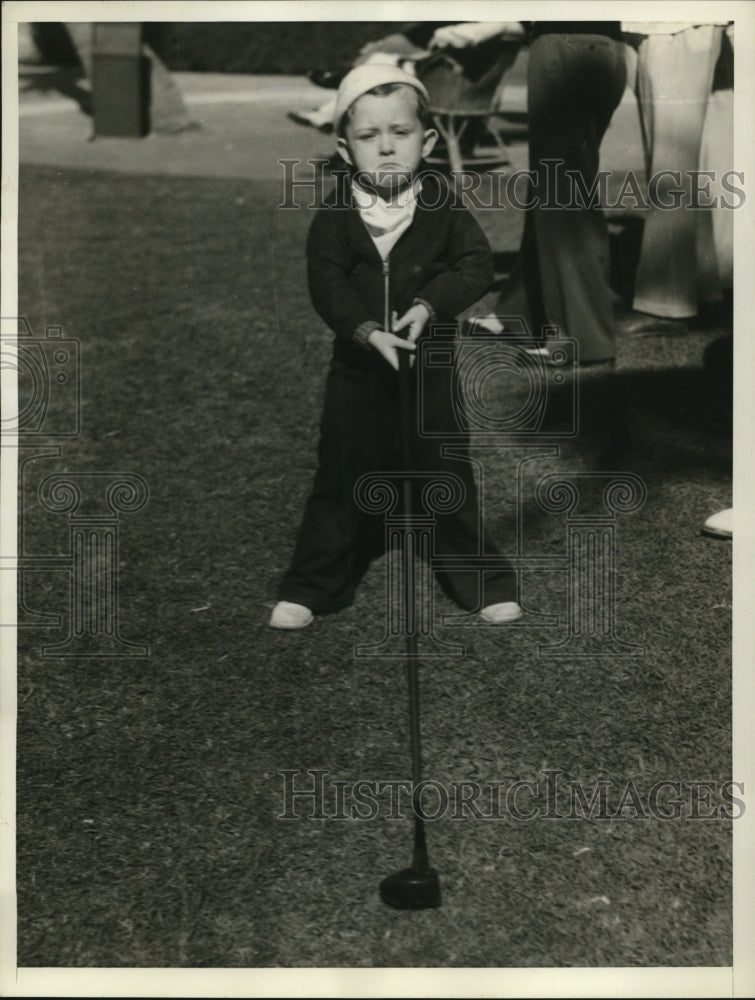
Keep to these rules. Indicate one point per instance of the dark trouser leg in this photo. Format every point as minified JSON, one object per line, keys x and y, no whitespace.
{"x":336,"y":541}
{"x":522,"y":297}
{"x":574,"y":84}
{"x":360,"y":433}
{"x":461,"y":532}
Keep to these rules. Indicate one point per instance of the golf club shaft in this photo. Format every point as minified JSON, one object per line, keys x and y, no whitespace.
{"x":410,"y":610}
{"x":420,"y":857}
{"x":416,"y":887}
{"x":405,"y":417}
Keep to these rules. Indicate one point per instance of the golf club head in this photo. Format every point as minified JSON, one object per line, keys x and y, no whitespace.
{"x":411,"y":889}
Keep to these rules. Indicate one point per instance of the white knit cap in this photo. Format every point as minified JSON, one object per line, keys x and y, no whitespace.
{"x":364,"y":78}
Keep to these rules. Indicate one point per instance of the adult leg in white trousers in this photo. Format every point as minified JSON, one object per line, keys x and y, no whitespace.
{"x":674,"y":80}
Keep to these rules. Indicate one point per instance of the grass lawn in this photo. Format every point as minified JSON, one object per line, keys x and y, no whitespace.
{"x":149,"y":789}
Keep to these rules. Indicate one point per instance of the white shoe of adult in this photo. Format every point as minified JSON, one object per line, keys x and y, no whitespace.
{"x":501,"y":614}
{"x":288,"y":615}
{"x":720,"y":525}
{"x":492,"y":324}
{"x":317,"y":118}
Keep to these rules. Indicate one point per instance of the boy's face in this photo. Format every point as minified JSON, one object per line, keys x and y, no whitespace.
{"x":385,"y":139}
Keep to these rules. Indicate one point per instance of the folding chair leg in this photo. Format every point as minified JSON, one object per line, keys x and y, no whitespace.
{"x":452,"y":129}
{"x":496,"y":131}
{"x":455,"y":159}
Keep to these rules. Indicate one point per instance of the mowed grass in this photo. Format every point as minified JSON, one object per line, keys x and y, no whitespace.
{"x":149,"y":790}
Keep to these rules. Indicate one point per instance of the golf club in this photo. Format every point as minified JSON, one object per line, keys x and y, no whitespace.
{"x":416,"y":887}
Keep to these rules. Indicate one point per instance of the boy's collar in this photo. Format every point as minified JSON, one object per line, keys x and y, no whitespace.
{"x":366,"y":198}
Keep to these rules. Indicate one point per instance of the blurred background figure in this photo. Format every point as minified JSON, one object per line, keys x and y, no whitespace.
{"x":465,"y":76}
{"x":717,"y":156}
{"x":671,"y":68}
{"x":27,"y":47}
{"x":400,"y":49}
{"x":167,"y":111}
{"x":576,"y":79}
{"x":48,"y":62}
{"x":474,"y":46}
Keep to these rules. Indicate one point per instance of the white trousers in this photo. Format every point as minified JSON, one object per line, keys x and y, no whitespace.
{"x":678,"y":266}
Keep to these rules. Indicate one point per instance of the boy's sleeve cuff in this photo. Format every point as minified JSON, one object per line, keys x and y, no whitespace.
{"x":416,"y":301}
{"x":362,"y":333}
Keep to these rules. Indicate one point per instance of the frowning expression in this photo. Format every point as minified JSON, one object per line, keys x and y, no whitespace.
{"x":385,"y":139}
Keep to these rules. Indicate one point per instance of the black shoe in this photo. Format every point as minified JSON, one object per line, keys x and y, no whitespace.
{"x":641,"y":322}
{"x":331,"y":79}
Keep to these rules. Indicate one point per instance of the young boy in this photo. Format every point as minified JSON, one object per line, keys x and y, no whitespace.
{"x":399,"y":223}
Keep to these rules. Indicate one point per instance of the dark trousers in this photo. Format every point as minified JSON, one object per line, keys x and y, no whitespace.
{"x":360,"y":433}
{"x":574,"y":84}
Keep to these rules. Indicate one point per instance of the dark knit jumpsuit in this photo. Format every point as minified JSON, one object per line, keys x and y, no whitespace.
{"x":444,"y":260}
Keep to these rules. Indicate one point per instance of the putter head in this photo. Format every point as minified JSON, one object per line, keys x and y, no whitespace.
{"x":411,"y":889}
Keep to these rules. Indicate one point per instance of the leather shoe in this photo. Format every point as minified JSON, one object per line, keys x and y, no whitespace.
{"x":640,"y":322}
{"x":331,"y":79}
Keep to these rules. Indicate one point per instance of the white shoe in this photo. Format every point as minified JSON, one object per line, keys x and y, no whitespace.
{"x":501,"y":614}
{"x":490,"y":323}
{"x":315,"y":118}
{"x":720,"y":525}
{"x":288,"y":615}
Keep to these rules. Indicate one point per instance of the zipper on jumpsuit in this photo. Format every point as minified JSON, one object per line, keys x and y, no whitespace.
{"x":387,"y":293}
{"x":386,"y":282}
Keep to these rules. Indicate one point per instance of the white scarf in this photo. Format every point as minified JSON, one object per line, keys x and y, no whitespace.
{"x":386,"y":221}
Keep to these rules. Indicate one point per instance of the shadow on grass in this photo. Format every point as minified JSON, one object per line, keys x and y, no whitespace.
{"x":654,"y":418}
{"x":662,"y":422}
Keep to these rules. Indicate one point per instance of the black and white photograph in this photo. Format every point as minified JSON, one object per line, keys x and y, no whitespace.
{"x":376,"y":508}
